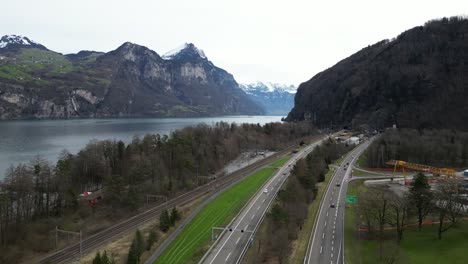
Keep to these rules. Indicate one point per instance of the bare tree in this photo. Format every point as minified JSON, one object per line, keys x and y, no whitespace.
{"x":399,"y":212}
{"x":448,"y":205}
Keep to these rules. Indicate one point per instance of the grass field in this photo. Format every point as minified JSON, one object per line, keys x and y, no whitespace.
{"x":193,"y":241}
{"x":280,"y":162}
{"x":418,"y":247}
{"x":362,"y":161}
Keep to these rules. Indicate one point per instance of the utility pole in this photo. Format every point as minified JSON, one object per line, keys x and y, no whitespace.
{"x":80,"y":234}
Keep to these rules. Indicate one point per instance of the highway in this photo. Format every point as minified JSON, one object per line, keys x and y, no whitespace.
{"x":235,"y":238}
{"x":327,"y":238}
{"x":90,"y":243}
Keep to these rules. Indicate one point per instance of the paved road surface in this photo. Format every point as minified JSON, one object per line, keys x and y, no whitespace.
{"x":231,"y":245}
{"x":326,"y":241}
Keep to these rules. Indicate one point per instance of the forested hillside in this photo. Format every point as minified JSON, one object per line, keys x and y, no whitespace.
{"x":416,"y":80}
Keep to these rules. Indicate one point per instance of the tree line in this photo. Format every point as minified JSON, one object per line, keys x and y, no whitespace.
{"x":439,"y":148}
{"x":380,"y":208}
{"x":289,"y":212}
{"x":165,"y":165}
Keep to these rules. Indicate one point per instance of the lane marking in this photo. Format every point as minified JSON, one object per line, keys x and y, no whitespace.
{"x":325,"y":223}
{"x":323,"y":235}
{"x":321,"y":247}
{"x":228,"y":256}
{"x":238,"y":240}
{"x":327,"y":213}
{"x":251,"y":218}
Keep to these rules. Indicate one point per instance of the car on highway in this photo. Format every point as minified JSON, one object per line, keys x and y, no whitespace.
{"x":338,"y":185}
{"x":265,"y":191}
{"x":332,"y":206}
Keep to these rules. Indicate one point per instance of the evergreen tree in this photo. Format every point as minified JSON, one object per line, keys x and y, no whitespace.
{"x":421,"y":197}
{"x":152,"y":237}
{"x":105,"y":259}
{"x":133,"y":257}
{"x":164,"y":221}
{"x":97,"y":258}
{"x":175,"y":216}
{"x":140,"y":243}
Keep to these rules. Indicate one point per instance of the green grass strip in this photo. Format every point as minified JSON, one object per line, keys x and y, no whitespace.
{"x":191,"y":243}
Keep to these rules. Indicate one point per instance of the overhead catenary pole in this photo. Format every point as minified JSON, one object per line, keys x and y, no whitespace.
{"x":80,"y":234}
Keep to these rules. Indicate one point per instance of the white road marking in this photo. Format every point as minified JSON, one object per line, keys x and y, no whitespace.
{"x":238,"y":240}
{"x":332,"y":249}
{"x":228,"y":256}
{"x":325,"y":223}
{"x":258,"y":208}
{"x":333,"y":242}
{"x":327,"y":213}
{"x":252,"y":217}
{"x":246,"y":227}
{"x":321,"y":247}
{"x":323,"y":235}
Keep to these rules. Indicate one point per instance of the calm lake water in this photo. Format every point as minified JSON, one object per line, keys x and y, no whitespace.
{"x":21,"y":141}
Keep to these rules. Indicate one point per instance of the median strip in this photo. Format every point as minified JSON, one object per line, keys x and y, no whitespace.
{"x":191,"y":243}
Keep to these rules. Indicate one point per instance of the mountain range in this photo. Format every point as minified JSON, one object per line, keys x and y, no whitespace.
{"x":276,"y":99}
{"x":130,"y":81}
{"x":417,"y":80}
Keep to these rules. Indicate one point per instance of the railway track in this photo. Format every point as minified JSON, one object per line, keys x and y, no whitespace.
{"x":92,"y":242}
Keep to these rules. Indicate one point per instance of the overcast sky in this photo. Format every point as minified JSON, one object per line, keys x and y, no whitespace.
{"x":285,"y":41}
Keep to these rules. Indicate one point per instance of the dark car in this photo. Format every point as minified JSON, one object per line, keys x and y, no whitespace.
{"x":338,"y":185}
{"x":332,"y":205}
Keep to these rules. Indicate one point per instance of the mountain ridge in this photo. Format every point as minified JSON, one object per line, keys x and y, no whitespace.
{"x":417,"y":80}
{"x":130,"y":81}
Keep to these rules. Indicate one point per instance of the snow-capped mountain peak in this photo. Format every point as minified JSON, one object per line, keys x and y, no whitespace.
{"x":185,"y":47}
{"x":276,"y":99}
{"x":268,"y":87}
{"x":15,"y":39}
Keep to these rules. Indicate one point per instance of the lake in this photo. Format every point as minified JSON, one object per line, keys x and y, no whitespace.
{"x":22,"y":140}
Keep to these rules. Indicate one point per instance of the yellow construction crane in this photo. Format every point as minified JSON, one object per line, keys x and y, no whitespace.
{"x":419,"y":167}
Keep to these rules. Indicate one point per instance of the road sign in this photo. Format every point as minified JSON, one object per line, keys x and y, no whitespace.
{"x":351,"y":199}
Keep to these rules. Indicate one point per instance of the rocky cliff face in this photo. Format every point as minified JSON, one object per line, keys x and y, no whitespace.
{"x":417,"y":80}
{"x":130,"y":81}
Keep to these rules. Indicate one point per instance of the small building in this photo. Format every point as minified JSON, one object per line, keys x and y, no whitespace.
{"x":352,"y":141}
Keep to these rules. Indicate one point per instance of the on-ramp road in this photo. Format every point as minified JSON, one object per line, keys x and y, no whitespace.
{"x":327,"y":240}
{"x":231,"y":245}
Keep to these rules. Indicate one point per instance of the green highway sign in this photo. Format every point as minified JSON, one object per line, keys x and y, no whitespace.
{"x":351,"y":199}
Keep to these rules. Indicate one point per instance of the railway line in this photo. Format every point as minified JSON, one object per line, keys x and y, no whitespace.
{"x":92,"y":242}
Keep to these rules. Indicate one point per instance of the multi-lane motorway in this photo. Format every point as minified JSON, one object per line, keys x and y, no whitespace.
{"x":234,"y":240}
{"x":327,"y":240}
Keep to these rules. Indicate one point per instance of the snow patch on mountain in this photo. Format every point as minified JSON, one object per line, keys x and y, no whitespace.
{"x":173,"y":53}
{"x":15,"y":39}
{"x":268,"y":87}
{"x":276,"y":99}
